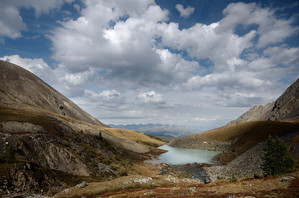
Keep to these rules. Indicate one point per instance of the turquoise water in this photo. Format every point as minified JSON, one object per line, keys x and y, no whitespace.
{"x":176,"y":156}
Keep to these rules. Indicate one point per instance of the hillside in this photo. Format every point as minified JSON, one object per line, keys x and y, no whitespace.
{"x":286,"y":107}
{"x":235,"y":139}
{"x":20,"y":87}
{"x":242,"y":140}
{"x":56,"y":143}
{"x":252,"y":127}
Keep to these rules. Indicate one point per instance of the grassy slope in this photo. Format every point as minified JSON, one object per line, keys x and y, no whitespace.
{"x":134,"y":136}
{"x":245,"y":135}
{"x":45,"y":118}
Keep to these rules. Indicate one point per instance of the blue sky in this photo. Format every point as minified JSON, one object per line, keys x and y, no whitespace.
{"x":194,"y":62}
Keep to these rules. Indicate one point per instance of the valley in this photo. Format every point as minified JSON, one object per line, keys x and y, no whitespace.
{"x":49,"y":146}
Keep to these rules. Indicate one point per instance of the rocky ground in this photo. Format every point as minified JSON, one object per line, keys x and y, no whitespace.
{"x":247,"y":165}
{"x":168,"y":186}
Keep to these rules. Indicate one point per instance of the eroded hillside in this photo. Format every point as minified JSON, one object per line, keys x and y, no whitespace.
{"x":57,"y":144}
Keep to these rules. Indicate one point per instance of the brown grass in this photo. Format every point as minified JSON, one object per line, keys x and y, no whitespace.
{"x":45,"y":118}
{"x":245,"y":135}
{"x":249,"y":130}
{"x":134,"y":136}
{"x":148,"y":171}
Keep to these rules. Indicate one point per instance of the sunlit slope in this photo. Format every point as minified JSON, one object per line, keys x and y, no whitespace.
{"x":238,"y":138}
{"x":55,"y":124}
{"x":247,"y":134}
{"x":19,"y":87}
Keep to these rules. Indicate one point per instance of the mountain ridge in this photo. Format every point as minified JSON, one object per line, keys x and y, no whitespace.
{"x":286,"y":107}
{"x":19,"y":87}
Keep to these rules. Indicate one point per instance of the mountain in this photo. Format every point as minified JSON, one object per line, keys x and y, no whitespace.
{"x":286,"y":107}
{"x":20,"y":87}
{"x":241,"y":140}
{"x":160,"y":129}
{"x":48,"y":143}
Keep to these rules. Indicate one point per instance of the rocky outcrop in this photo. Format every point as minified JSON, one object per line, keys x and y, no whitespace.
{"x":258,"y":112}
{"x":23,"y":127}
{"x":286,"y":107}
{"x":248,"y":164}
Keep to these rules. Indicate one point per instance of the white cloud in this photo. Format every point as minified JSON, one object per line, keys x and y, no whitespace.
{"x":184,"y":12}
{"x":104,"y":97}
{"x":113,"y":56}
{"x":150,"y":97}
{"x":271,"y":29}
{"x":37,"y":66}
{"x":11,"y":23}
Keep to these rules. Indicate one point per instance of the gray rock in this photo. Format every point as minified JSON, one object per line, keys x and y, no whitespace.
{"x":82,"y":185}
{"x":191,"y":189}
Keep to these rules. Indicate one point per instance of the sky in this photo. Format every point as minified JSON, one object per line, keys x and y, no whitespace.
{"x":190,"y":62}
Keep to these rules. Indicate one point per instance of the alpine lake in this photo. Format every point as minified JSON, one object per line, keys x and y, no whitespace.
{"x":186,"y":163}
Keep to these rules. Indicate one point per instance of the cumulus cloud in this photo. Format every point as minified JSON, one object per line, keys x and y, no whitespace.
{"x":150,"y":97}
{"x":126,"y":51}
{"x":111,"y":97}
{"x":115,"y":52}
{"x":37,"y":66}
{"x":184,"y":12}
{"x":270,"y":29}
{"x":11,"y":23}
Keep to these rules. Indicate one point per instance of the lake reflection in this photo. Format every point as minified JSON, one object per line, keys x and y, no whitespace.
{"x":176,"y":156}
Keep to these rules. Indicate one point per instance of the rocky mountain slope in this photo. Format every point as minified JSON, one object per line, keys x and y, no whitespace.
{"x":241,"y":140}
{"x":20,"y":87}
{"x":286,"y":107}
{"x":56,"y":143}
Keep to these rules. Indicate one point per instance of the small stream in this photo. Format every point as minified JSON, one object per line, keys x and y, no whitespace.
{"x":186,"y":163}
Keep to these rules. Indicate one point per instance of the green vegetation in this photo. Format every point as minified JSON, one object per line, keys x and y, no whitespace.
{"x":277,"y":158}
{"x":233,"y":179}
{"x":9,"y":155}
{"x":155,"y":137}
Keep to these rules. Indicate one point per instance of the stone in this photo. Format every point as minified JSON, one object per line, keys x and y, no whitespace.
{"x":191,"y":189}
{"x":82,"y":185}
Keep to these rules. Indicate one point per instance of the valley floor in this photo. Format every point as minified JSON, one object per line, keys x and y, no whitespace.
{"x":168,"y":186}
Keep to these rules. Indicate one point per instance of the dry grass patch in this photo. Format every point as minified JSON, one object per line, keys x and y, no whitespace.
{"x":134,"y":136}
{"x":148,"y":171}
{"x":250,"y":130}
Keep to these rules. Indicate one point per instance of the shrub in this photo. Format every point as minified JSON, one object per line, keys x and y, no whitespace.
{"x":9,"y":155}
{"x":233,"y":179}
{"x":277,"y":159}
{"x":257,"y":176}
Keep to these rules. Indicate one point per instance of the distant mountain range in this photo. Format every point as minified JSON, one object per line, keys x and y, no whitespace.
{"x":160,"y":129}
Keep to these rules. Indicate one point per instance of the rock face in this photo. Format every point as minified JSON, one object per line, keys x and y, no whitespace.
{"x":20,"y":87}
{"x":258,"y":112}
{"x":286,"y":107}
{"x":246,"y":165}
